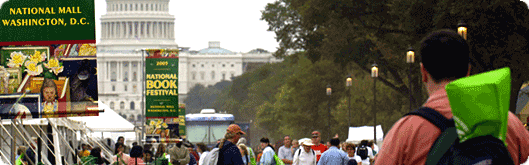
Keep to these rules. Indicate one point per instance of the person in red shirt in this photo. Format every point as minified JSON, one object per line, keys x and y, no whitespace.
{"x":445,"y":57}
{"x":318,"y":147}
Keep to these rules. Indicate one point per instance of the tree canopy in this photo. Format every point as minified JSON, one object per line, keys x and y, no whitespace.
{"x":361,"y":32}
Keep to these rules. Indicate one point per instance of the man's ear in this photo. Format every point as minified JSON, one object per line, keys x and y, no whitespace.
{"x":424,"y":74}
{"x":468,"y":73}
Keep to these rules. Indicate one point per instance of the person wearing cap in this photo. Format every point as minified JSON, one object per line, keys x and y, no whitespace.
{"x":229,"y":152}
{"x":268,"y":152}
{"x":305,"y":155}
{"x":318,"y":147}
{"x":179,"y":154}
{"x":334,"y":156}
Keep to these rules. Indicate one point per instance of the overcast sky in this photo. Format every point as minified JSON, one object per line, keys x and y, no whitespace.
{"x":235,"y":23}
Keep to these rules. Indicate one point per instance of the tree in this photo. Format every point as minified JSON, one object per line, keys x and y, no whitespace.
{"x":366,"y":31}
{"x":200,"y":97}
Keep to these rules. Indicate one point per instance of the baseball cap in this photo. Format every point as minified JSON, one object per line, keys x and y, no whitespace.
{"x":234,"y":128}
{"x":315,"y":134}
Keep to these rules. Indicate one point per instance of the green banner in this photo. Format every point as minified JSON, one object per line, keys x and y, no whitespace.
{"x":47,"y":21}
{"x":161,"y":83}
{"x":182,"y":121}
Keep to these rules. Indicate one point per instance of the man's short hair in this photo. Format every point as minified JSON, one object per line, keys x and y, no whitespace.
{"x":445,"y":55}
{"x":335,"y":142}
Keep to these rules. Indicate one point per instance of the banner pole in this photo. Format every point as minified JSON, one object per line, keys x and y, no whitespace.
{"x":143,"y":97}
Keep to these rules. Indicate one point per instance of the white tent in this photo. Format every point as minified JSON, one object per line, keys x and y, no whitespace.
{"x":108,"y":121}
{"x":357,"y":134}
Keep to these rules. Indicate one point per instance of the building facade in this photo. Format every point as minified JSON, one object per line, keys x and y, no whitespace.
{"x":132,"y":25}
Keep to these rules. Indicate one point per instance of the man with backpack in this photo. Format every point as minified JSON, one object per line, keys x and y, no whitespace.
{"x":365,"y":152}
{"x":445,"y":58}
{"x":226,"y":152}
{"x":305,"y":155}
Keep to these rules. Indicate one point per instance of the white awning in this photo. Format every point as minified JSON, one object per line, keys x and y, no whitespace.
{"x":357,"y":134}
{"x":108,"y":121}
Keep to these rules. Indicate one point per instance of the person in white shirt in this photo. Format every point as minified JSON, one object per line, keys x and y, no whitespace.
{"x":285,"y":154}
{"x":350,"y":148}
{"x":366,"y":161}
{"x":268,"y":153}
{"x":203,"y":150}
{"x":305,"y":155}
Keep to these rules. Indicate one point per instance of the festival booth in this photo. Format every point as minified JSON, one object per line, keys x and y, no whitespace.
{"x":357,"y":134}
{"x":108,"y":125}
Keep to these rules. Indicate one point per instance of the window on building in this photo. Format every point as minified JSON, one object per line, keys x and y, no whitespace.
{"x":202,"y":65}
{"x":126,"y":76}
{"x":142,"y":31}
{"x":212,"y":65}
{"x":223,"y":65}
{"x":202,"y":75}
{"x":193,"y":76}
{"x":232,"y":65}
{"x":134,"y":76}
{"x":113,"y":88}
{"x":232,"y":75}
{"x":212,"y":75}
{"x":122,"y":105}
{"x":124,"y":116}
{"x":136,"y":7}
{"x":141,"y":7}
{"x":132,"y":105}
{"x":125,"y":88}
{"x":139,"y":117}
{"x":131,"y":118}
{"x":134,"y":88}
{"x":136,"y":29}
{"x":130,"y":27}
{"x":193,"y":65}
{"x":223,"y":76}
{"x":112,"y":105}
{"x":113,"y":76}
{"x":113,"y":73}
{"x":126,"y":7}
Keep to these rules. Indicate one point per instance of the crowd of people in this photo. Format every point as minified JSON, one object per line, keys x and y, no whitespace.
{"x":233,"y":149}
{"x":313,"y":151}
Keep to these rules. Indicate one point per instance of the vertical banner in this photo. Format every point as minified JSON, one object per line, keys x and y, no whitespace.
{"x":161,"y":93}
{"x":47,"y":56}
{"x":182,"y":120}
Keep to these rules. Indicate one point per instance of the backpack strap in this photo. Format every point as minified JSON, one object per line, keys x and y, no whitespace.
{"x":448,"y":136}
{"x":433,"y":117}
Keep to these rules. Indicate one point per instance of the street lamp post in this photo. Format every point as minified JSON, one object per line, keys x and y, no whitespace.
{"x":349,"y":83}
{"x":374,"y":74}
{"x":329,"y":92}
{"x":410,"y":59}
{"x":462,"y":29}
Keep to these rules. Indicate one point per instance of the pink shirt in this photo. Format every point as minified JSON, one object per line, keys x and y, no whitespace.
{"x":410,"y":138}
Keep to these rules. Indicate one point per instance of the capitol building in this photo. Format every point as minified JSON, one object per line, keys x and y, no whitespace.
{"x":132,"y":25}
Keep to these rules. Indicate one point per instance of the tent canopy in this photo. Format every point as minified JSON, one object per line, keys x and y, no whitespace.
{"x":357,"y":134}
{"x":108,"y":121}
